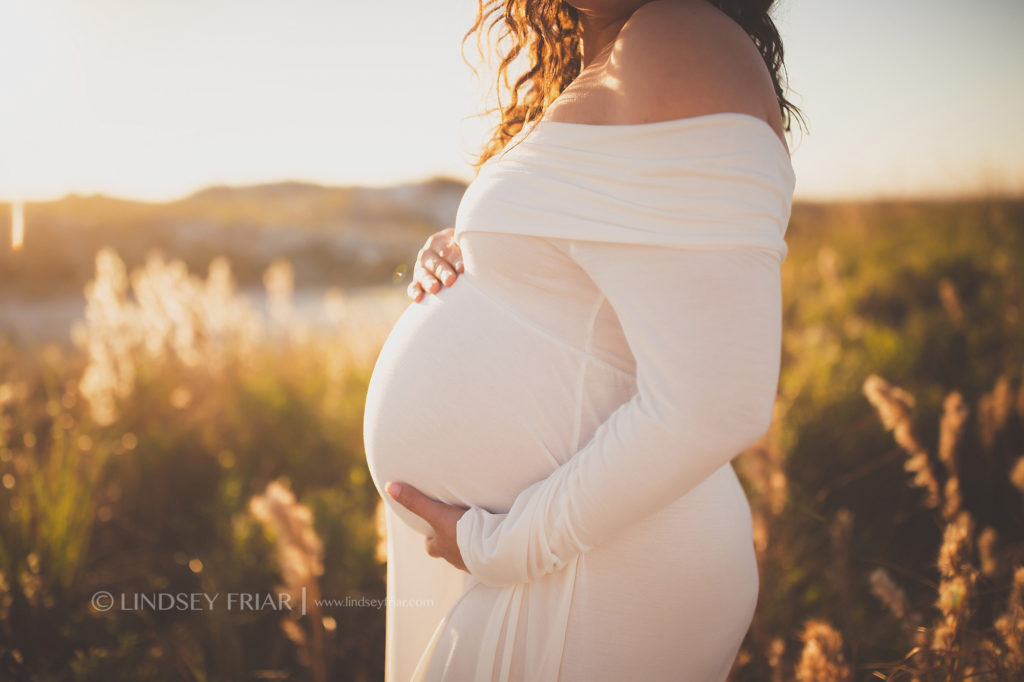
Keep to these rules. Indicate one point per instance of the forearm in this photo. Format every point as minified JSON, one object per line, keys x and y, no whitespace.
{"x":707,"y":364}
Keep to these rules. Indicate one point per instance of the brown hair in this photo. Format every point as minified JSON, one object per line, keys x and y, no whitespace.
{"x":549,"y":29}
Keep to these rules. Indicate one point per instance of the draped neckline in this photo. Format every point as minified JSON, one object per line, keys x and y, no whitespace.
{"x":685,"y":123}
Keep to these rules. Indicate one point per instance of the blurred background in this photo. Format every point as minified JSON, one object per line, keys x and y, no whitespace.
{"x":209,"y":213}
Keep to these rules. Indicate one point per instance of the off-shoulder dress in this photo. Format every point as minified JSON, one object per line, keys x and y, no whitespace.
{"x":613,"y":343}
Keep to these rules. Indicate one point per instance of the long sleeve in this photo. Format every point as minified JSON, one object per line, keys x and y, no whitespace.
{"x":704,"y":326}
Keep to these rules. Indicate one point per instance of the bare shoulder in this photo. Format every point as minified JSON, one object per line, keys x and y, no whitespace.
{"x":681,"y":58}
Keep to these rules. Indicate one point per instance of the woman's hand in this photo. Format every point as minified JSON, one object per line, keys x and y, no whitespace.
{"x":437,"y":264}
{"x":442,"y":518}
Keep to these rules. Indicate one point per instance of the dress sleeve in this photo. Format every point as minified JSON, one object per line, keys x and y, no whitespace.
{"x":704,"y":326}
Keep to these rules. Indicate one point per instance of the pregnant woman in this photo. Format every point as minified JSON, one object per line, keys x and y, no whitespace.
{"x":551,"y":430}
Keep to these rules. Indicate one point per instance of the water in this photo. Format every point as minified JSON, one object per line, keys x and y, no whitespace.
{"x":32,"y":321}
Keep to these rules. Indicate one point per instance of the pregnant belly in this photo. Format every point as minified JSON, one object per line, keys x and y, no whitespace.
{"x":471,"y":404}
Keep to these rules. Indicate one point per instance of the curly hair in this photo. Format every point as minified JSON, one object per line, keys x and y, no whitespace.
{"x":549,"y":29}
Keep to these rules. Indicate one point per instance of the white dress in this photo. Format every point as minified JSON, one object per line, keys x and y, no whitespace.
{"x":613,"y":343}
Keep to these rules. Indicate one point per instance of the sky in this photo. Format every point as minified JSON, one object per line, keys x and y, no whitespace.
{"x":154,"y":99}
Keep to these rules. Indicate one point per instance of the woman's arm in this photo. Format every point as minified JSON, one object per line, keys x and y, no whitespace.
{"x":705,"y":329}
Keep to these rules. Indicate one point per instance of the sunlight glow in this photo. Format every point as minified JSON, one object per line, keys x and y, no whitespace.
{"x":155,"y":100}
{"x":17,"y":225}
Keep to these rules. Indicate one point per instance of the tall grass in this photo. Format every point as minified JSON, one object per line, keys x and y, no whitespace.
{"x":185,"y":444}
{"x":894,"y":559}
{"x":154,"y":457}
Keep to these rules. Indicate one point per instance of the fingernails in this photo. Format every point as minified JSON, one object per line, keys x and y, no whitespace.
{"x":458,"y":264}
{"x":394,"y":490}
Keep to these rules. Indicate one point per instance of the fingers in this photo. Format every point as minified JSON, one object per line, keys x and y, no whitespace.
{"x":449,"y":250}
{"x":427,"y":279}
{"x":438,"y":264}
{"x":413,"y":500}
{"x":415,"y":291}
{"x":423,"y":282}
